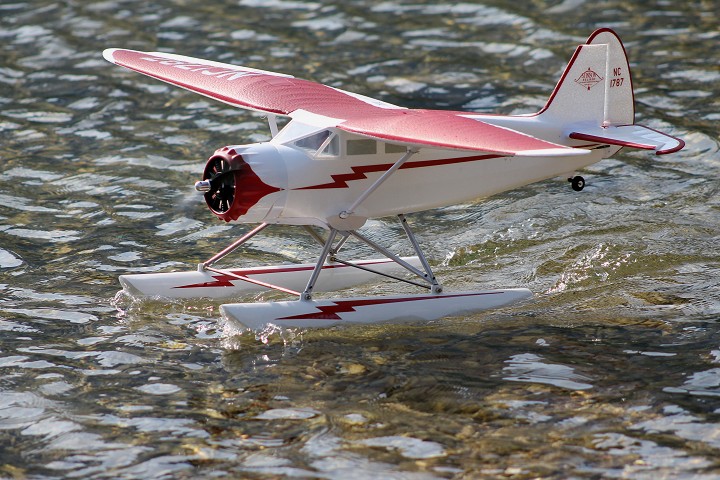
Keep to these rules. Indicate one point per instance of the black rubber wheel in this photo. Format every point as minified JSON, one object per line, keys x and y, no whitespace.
{"x":577,"y":182}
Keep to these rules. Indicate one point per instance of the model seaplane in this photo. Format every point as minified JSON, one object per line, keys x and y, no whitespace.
{"x":344,"y":158}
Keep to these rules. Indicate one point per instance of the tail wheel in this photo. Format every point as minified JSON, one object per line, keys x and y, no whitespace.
{"x":577,"y":182}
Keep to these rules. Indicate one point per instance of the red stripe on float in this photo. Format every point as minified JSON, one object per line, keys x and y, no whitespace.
{"x":330,"y":312}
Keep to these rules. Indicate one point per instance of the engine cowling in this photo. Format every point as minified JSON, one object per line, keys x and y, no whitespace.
{"x":230,"y":185}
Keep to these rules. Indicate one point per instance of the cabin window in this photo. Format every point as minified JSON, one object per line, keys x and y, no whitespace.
{"x":395,"y":148}
{"x":361,"y":147}
{"x":313,"y":142}
{"x":331,"y":146}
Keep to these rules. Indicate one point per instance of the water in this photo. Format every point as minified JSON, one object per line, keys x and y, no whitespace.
{"x":613,"y":370}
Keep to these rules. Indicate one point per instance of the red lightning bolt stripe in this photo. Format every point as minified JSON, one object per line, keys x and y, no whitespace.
{"x":359,"y":172}
{"x":226,"y":280}
{"x":330,"y":312}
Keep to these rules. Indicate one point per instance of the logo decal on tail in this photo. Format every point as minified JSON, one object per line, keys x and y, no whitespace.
{"x":589,"y":79}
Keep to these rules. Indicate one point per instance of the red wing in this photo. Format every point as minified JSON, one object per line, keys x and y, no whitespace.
{"x":283,"y":94}
{"x":441,"y":129}
{"x":243,"y":87}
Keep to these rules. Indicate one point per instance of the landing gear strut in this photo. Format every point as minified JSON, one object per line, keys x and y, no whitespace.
{"x":577,"y":182}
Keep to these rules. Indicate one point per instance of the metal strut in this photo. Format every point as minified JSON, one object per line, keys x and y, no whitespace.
{"x":272,"y":123}
{"x":321,"y":241}
{"x":307,"y":293}
{"x":436,"y":287}
{"x":427,"y":275}
{"x":390,"y":255}
{"x":250,"y":280}
{"x":382,"y":274}
{"x":232,"y":247}
{"x":330,"y":250}
{"x":351,"y":210}
{"x":333,"y":258}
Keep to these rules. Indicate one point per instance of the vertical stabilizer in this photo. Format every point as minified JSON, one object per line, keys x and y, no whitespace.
{"x":619,"y":97}
{"x":594,"y":100}
{"x":596,"y":86}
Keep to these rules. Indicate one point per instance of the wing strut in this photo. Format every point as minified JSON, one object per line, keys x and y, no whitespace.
{"x":410,"y":152}
{"x":272,"y":122}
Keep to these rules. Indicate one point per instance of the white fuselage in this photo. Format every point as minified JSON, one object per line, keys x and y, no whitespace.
{"x":318,"y":178}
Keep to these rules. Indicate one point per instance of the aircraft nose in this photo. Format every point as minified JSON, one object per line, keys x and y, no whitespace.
{"x":230,"y":184}
{"x":203,"y":186}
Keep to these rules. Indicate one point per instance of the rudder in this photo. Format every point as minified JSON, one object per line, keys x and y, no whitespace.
{"x":596,"y":86}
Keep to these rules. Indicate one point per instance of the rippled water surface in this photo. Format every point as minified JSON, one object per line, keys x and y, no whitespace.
{"x":612,"y":370}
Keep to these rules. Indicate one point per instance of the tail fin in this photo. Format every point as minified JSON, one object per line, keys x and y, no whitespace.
{"x":594,"y":99}
{"x":596,"y":86}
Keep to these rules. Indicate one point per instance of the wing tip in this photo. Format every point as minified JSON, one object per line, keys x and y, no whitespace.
{"x":108,"y":54}
{"x":678,"y":145}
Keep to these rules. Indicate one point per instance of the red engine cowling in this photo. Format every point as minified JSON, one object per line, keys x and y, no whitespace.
{"x":230,"y":185}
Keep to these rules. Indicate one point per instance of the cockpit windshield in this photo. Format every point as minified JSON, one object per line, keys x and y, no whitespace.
{"x":306,"y":137}
{"x":312,"y":142}
{"x":294,"y":131}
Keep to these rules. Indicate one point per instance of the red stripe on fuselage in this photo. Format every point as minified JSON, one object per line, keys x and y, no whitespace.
{"x":359,"y":172}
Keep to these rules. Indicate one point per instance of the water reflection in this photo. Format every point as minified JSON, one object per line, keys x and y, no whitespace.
{"x":529,"y":367}
{"x":610,"y":372}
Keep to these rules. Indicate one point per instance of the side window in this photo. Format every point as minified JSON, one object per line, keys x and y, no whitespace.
{"x":395,"y":148}
{"x":361,"y":147}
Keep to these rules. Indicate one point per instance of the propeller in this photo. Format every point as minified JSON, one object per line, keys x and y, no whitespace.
{"x":218,"y":184}
{"x":230,"y":186}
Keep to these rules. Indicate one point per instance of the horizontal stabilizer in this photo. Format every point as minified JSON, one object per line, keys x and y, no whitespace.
{"x":632,"y":136}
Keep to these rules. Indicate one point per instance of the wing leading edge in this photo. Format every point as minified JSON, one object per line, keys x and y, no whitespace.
{"x":280,"y":94}
{"x":243,"y":87}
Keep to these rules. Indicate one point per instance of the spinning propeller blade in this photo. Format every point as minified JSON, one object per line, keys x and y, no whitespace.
{"x":222,"y":186}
